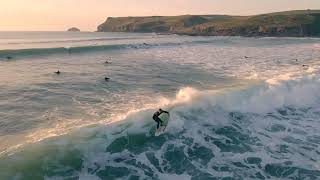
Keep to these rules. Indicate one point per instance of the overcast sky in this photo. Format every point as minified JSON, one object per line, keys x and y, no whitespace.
{"x":58,"y":15}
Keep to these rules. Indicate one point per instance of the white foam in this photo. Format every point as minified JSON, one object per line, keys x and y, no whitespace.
{"x":174,"y":177}
{"x":88,"y":177}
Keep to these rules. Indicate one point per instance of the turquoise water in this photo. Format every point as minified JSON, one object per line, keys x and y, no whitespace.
{"x":241,"y":108}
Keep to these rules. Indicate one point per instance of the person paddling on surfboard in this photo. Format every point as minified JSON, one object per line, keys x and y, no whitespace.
{"x":156,"y":117}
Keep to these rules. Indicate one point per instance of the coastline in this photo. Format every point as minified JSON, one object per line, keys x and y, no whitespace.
{"x":301,"y":23}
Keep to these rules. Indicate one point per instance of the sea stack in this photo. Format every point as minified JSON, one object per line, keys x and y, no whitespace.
{"x":74,"y":29}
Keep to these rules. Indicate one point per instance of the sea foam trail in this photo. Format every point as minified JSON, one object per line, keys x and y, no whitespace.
{"x":259,"y":131}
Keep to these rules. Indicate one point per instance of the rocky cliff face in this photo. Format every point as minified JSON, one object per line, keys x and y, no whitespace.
{"x":150,"y":24}
{"x":292,"y":23}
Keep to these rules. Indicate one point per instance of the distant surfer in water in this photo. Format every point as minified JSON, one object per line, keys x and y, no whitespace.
{"x":58,"y":72}
{"x":156,"y":117}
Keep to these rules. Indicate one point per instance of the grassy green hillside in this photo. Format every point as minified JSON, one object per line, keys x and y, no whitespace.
{"x":290,"y":23}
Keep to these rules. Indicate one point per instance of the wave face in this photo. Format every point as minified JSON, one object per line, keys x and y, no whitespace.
{"x":10,"y":54}
{"x":241,"y":108}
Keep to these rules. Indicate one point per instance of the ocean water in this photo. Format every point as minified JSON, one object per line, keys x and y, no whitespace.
{"x":241,"y":108}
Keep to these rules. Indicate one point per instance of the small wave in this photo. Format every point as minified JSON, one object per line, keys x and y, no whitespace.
{"x":72,"y":40}
{"x":11,"y":54}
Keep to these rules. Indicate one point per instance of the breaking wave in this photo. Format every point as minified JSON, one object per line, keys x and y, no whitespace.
{"x":257,"y":131}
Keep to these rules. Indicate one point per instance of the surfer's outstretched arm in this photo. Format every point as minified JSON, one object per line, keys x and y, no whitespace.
{"x":162,"y":111}
{"x":166,"y":112}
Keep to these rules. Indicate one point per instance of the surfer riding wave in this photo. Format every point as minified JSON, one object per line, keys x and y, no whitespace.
{"x":156,"y":117}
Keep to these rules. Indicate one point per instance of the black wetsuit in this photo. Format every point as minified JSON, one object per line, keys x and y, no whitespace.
{"x":157,"y":119}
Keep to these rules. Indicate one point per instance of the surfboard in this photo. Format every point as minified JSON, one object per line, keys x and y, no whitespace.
{"x":165,"y":118}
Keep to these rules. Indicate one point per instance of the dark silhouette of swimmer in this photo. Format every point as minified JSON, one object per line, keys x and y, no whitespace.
{"x":106,"y":79}
{"x":9,"y":57}
{"x":107,"y":62}
{"x":246,"y":57}
{"x":58,"y":72}
{"x":156,"y":117}
{"x":304,"y":65}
